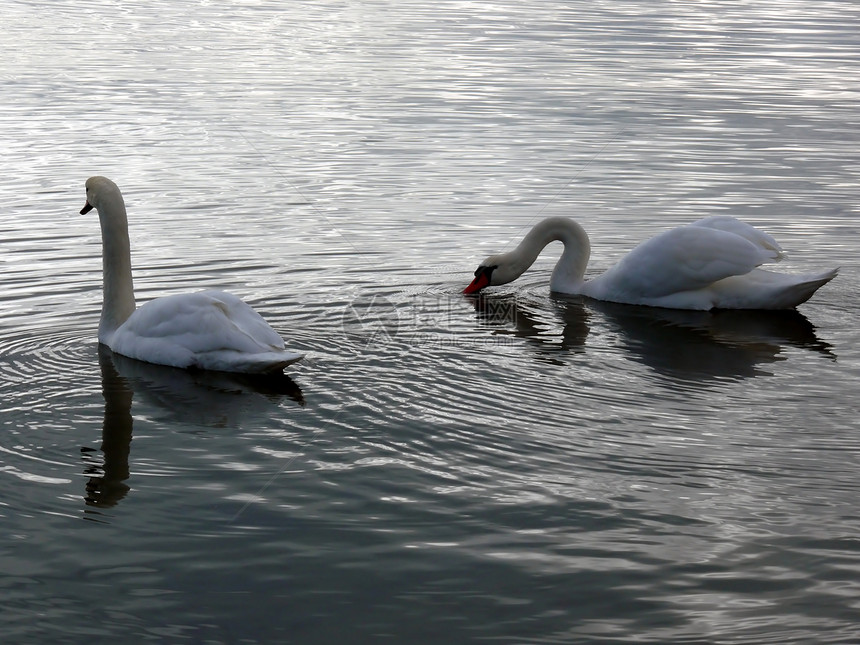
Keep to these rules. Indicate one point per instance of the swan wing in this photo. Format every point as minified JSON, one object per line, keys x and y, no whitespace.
{"x":207,"y":329}
{"x":682,"y":259}
{"x":742,"y":229}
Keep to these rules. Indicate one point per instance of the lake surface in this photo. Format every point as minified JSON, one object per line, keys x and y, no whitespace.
{"x":516,"y":468}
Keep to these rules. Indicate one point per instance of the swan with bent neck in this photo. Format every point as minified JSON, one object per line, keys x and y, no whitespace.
{"x":209,"y":330}
{"x":709,"y":264}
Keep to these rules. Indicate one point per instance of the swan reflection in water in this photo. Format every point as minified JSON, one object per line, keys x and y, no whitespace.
{"x":215,"y":399}
{"x":688,"y":345}
{"x":511,"y":315}
{"x":106,"y":485}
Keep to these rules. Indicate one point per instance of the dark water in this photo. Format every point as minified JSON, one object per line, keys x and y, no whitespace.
{"x":518,"y":468}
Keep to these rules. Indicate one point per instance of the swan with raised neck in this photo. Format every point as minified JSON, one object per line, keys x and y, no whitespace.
{"x":208,"y":329}
{"x":709,"y":264}
{"x":118,"y":287}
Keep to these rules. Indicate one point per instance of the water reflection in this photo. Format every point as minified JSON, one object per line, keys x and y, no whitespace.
{"x":690,"y":345}
{"x":206,"y":398}
{"x":702,"y":345}
{"x":106,"y":485}
{"x":509,"y":315}
{"x":214,"y":399}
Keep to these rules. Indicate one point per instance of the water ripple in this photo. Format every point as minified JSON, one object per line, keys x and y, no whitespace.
{"x":516,"y":467}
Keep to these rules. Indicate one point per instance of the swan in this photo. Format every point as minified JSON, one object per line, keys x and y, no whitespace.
{"x":209,"y":330}
{"x":709,"y":264}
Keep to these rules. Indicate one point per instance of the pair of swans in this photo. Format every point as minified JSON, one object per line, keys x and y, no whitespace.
{"x":709,"y":264}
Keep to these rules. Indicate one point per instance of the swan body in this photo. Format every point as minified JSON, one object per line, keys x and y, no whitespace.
{"x":709,"y":264}
{"x":209,"y":330}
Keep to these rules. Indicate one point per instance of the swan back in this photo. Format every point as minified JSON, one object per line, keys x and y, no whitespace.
{"x":206,"y":330}
{"x":681,"y":259}
{"x":764,"y":241}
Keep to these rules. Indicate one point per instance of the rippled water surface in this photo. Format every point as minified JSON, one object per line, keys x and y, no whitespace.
{"x":516,"y":468}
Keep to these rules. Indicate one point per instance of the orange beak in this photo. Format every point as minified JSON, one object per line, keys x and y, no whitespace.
{"x":481,"y":280}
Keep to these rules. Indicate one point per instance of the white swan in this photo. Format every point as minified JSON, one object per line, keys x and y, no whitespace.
{"x":709,"y":264}
{"x":209,"y":330}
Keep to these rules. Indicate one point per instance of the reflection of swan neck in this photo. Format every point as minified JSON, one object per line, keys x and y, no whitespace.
{"x":118,"y":300}
{"x":109,"y":487}
{"x":571,"y":266}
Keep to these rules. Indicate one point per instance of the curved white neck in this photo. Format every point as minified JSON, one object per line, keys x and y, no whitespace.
{"x":570,"y":268}
{"x":118,"y":297}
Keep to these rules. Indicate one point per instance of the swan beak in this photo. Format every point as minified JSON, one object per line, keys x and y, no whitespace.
{"x":87,"y":208}
{"x":482,"y":279}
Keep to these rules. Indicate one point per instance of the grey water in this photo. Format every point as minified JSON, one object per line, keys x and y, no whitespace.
{"x":516,"y":468}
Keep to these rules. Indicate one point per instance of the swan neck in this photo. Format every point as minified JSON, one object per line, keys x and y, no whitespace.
{"x":571,"y":266}
{"x":118,"y":288}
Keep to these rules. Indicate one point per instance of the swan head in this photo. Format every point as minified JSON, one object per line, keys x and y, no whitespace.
{"x":99,"y":191}
{"x":507,"y":267}
{"x":496,"y":270}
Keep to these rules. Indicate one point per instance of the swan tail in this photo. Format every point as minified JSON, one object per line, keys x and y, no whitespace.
{"x":801,"y":289}
{"x":262,"y":363}
{"x":762,"y":289}
{"x":269,"y":363}
{"x":804,"y":290}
